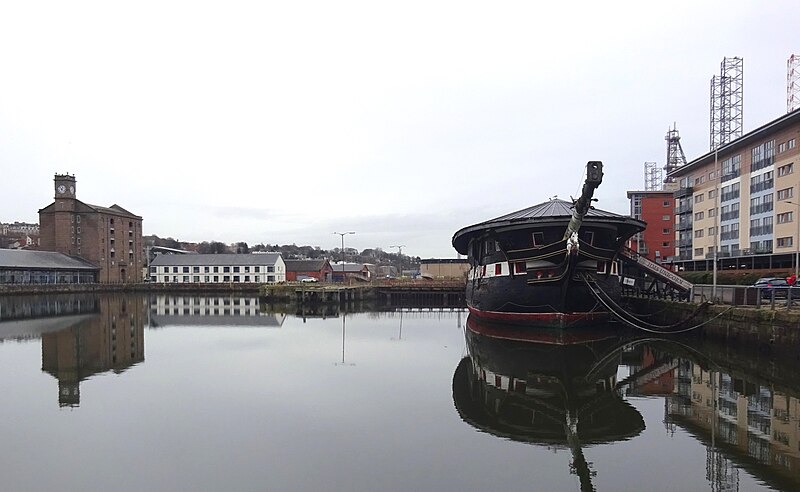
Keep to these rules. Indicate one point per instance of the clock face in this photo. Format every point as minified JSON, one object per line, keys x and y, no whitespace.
{"x":72,"y":190}
{"x":62,"y":188}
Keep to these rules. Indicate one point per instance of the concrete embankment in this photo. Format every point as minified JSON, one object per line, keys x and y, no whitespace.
{"x":776,"y":330}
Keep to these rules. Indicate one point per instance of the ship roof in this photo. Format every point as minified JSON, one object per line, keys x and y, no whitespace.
{"x":552,"y":211}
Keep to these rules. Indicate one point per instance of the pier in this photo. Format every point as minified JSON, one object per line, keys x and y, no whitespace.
{"x":438,"y":293}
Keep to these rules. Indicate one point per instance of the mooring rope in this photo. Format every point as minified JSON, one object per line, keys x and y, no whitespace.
{"x":634,"y":322}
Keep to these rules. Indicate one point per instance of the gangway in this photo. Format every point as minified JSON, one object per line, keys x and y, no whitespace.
{"x":657,"y":272}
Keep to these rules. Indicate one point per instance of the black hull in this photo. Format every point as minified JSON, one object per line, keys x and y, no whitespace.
{"x":563,"y":303}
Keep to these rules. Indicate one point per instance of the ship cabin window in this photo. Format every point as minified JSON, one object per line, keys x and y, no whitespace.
{"x":587,"y":236}
{"x":602,"y":267}
{"x":498,"y":269}
{"x":490,"y":246}
{"x":538,"y":239}
{"x":520,"y":267}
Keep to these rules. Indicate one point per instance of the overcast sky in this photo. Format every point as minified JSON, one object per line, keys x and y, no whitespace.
{"x":282,"y":122}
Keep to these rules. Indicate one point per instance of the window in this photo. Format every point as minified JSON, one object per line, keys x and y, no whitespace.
{"x":186,"y":279}
{"x":247,"y":269}
{"x":166,"y":269}
{"x":785,"y":218}
{"x":235,"y":278}
{"x":785,"y":242}
{"x":785,"y":193}
{"x":665,"y":204}
{"x":498,"y":269}
{"x":666,"y":217}
{"x":186,"y":269}
{"x":226,"y":278}
{"x":712,"y":212}
{"x":782,"y":147}
{"x":712,"y":175}
{"x":272,"y":268}
{"x":699,"y":180}
{"x":205,"y":278}
{"x":520,"y":267}
{"x":698,"y":216}
{"x":270,"y":278}
{"x":712,"y":193}
{"x":790,"y":144}
{"x":226,"y":269}
{"x":205,"y":269}
{"x":216,"y":278}
{"x":247,"y":278}
{"x":698,"y":251}
{"x":665,"y":244}
{"x":786,"y":170}
{"x":698,"y":198}
{"x":236,"y":269}
{"x":711,"y":231}
{"x":698,"y":233}
{"x":196,"y":278}
{"x":196,"y":269}
{"x":257,"y":269}
{"x":216,"y":269}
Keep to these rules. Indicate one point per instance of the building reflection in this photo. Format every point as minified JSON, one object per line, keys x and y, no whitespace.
{"x":744,"y":406}
{"x":110,"y":340}
{"x":222,"y":310}
{"x":547,"y":388}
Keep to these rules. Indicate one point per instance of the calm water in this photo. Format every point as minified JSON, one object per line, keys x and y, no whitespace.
{"x":212,"y":393}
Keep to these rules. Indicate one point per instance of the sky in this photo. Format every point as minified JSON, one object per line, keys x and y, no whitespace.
{"x":284,"y":122}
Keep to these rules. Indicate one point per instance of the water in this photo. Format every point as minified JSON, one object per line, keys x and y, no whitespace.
{"x":160,"y":393}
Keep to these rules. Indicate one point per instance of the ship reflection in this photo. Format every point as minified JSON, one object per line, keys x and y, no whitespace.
{"x":544,"y":387}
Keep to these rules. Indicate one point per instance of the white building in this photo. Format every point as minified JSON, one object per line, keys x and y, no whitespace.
{"x":222,"y":268}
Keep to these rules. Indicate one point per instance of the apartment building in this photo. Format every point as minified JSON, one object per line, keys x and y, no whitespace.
{"x":657,"y":242}
{"x":740,"y":200}
{"x":222,"y":268}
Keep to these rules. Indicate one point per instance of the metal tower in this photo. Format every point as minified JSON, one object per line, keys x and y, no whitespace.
{"x":792,"y":83}
{"x":675,"y":155}
{"x":653,"y":179}
{"x":727,"y":101}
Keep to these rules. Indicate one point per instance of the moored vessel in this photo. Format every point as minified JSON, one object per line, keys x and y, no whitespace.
{"x":545,"y":264}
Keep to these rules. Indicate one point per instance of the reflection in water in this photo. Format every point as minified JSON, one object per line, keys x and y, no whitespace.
{"x":544,"y":391}
{"x":28,"y":317}
{"x":227,"y":310}
{"x":748,"y":420}
{"x":112,"y":340}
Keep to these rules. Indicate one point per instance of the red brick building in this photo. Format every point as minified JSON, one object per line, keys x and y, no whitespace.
{"x":657,"y":242}
{"x":318,"y":269}
{"x":108,"y":237}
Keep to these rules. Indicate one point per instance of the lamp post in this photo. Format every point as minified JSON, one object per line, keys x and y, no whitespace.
{"x":343,"y":234}
{"x":400,"y":256}
{"x":796,"y":239}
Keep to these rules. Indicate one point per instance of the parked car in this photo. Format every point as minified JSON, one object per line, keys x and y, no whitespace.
{"x":772,"y":286}
{"x":308,"y":279}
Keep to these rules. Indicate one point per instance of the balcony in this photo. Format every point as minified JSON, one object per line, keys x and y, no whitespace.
{"x":683,"y":192}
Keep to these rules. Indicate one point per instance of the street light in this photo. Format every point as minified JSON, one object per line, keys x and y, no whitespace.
{"x":343,"y":234}
{"x":400,"y":256}
{"x":796,"y":239}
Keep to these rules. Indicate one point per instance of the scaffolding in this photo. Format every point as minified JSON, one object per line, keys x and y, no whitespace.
{"x":792,"y":83}
{"x":727,"y":102}
{"x":653,"y":179}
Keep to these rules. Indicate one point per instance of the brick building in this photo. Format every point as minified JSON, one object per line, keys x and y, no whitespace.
{"x":108,"y":237}
{"x":657,"y":242}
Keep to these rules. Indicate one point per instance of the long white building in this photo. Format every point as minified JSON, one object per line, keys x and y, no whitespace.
{"x":222,"y":268}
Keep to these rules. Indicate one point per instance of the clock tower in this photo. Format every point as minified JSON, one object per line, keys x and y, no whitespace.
{"x":64,"y":186}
